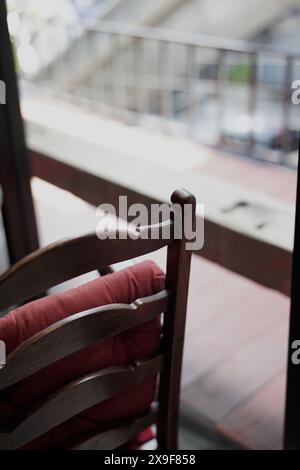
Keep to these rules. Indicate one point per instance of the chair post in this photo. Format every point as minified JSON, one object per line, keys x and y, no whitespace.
{"x":177,"y":282}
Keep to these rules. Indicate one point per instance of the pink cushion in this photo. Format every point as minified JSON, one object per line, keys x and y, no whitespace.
{"x":125,"y":286}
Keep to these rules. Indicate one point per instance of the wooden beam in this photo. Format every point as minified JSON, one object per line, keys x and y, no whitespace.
{"x":18,"y":211}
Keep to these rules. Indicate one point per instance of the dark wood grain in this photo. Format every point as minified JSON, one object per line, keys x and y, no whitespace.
{"x":257,"y":423}
{"x":78,"y":396}
{"x":177,"y":282}
{"x":77,"y":332}
{"x":67,"y":259}
{"x":15,"y":171}
{"x":121,"y":434}
{"x":64,"y":260}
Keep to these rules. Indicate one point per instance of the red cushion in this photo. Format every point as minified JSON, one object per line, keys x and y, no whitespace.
{"x":139,"y":440}
{"x":125,"y":286}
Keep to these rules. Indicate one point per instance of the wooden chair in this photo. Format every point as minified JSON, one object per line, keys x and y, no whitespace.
{"x":65,"y":260}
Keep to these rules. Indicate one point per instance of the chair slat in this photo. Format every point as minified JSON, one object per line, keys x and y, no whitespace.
{"x":77,"y":332}
{"x":79,"y":396}
{"x":67,"y":259}
{"x":118,"y":436}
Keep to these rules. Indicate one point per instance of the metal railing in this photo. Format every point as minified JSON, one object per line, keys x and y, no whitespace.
{"x":228,"y":93}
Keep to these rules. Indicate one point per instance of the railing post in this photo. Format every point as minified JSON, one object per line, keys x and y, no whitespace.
{"x":120,"y":79}
{"x":164,"y":76}
{"x":286,"y":105}
{"x":140,"y":79}
{"x":112,"y":75}
{"x":191,"y":96}
{"x":252,"y":102}
{"x":219,"y":95}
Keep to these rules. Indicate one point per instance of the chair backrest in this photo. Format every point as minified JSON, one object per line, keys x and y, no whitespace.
{"x":65,"y":260}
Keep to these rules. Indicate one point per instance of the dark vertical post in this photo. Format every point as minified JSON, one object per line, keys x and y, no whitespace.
{"x":292,"y":410}
{"x":18,"y":211}
{"x":177,"y":282}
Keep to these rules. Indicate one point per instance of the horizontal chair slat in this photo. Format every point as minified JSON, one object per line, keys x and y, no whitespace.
{"x":79,"y":396}
{"x":77,"y":332}
{"x":67,"y":259}
{"x":121,"y":434}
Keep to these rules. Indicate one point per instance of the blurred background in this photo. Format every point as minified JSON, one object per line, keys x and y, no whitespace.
{"x":138,"y":97}
{"x":172,"y":66}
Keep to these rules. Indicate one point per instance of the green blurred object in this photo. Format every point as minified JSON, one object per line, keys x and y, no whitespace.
{"x":240,"y":73}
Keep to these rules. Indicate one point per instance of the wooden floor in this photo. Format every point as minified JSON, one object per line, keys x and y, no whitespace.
{"x":235,"y":356}
{"x":236,"y":338}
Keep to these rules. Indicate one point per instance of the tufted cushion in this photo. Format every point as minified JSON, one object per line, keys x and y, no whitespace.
{"x":125,"y":286}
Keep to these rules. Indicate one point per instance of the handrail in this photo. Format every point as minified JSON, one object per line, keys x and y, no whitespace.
{"x":185,"y":38}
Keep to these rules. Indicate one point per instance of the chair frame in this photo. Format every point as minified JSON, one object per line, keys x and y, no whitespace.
{"x":65,"y":260}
